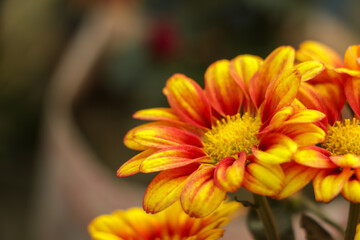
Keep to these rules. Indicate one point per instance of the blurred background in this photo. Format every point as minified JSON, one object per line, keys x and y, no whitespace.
{"x":72,"y":72}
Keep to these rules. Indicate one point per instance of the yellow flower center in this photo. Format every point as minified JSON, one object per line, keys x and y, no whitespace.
{"x":343,"y":138}
{"x":231,"y":135}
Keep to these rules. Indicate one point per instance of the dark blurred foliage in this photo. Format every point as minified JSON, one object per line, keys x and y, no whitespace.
{"x":179,"y":36}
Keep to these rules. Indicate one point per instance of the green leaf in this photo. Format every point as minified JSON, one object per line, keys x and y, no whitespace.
{"x":314,"y":231}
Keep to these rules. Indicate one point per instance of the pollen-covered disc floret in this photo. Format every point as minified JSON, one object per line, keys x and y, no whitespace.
{"x":344,"y":138}
{"x":231,"y":135}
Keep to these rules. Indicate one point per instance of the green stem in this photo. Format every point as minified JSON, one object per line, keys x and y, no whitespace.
{"x":353,"y":220}
{"x":311,"y":206}
{"x":266,"y":217}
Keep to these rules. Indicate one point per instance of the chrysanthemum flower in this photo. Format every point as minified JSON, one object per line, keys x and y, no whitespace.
{"x":234,"y":133}
{"x":336,"y":162}
{"x":172,"y":224}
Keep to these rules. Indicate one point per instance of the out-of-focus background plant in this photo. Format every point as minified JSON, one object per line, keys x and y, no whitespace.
{"x":73,"y":72}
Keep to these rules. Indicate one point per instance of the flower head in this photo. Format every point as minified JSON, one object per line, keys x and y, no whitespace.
{"x":334,"y":165}
{"x":172,"y":223}
{"x":236,"y":132}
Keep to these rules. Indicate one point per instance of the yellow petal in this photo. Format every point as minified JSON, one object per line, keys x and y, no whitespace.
{"x":309,"y":69}
{"x":329,"y":183}
{"x":188,"y":100}
{"x":296,"y":177}
{"x":243,"y":68}
{"x":201,"y":196}
{"x":351,"y":191}
{"x":311,"y":50}
{"x":166,"y":188}
{"x":132,"y":166}
{"x":279,"y":60}
{"x":229,"y":173}
{"x":352,"y":57}
{"x":281,"y":92}
{"x":275,"y":149}
{"x":158,"y":135}
{"x":264,"y":179}
{"x":157,"y":114}
{"x":221,"y":89}
{"x":314,"y":157}
{"x":171,"y":157}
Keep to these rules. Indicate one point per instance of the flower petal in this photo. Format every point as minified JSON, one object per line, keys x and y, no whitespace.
{"x":277,"y":120}
{"x":314,"y":157}
{"x":221,"y":89}
{"x":352,"y":92}
{"x":263,"y":179}
{"x":329,"y":183}
{"x":229,"y":173}
{"x":166,"y":188}
{"x":351,"y":190}
{"x":243,"y":68}
{"x":279,"y":60}
{"x":188,"y":100}
{"x":311,"y":50}
{"x":281,"y":92}
{"x":305,"y":116}
{"x":132,"y":166}
{"x":158,"y":135}
{"x":157,"y":114}
{"x":304,"y":134}
{"x":309,"y":69}
{"x":171,"y":157}
{"x":352,"y":57}
{"x":346,"y":160}
{"x":201,"y":196}
{"x":296,"y":177}
{"x":275,"y":148}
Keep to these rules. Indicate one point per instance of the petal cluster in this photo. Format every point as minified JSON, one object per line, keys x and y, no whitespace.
{"x":172,"y":223}
{"x":243,"y":130}
{"x":334,"y":165}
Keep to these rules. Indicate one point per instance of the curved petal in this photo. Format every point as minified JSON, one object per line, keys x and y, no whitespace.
{"x":296,"y":177}
{"x":188,"y":100}
{"x":309,"y":69}
{"x":351,"y":190}
{"x":333,"y":97}
{"x":243,"y":68}
{"x":171,"y":157}
{"x":280,"y":59}
{"x":304,"y":134}
{"x":166,"y":188}
{"x":201,"y":196}
{"x":157,"y":114}
{"x":311,"y":50}
{"x":352,"y":56}
{"x":221,"y":89}
{"x":305,"y":116}
{"x":347,"y":160}
{"x":352,"y":92}
{"x":277,"y":120}
{"x":229,"y":173}
{"x":263,"y":179}
{"x":158,"y":135}
{"x":281,"y":92}
{"x":329,"y":183}
{"x":313,"y":157}
{"x":275,"y":148}
{"x":132,"y":166}
{"x":310,"y":97}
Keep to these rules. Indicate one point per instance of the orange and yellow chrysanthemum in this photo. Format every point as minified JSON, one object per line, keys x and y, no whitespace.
{"x":172,"y":224}
{"x":336,"y":162}
{"x":236,"y":132}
